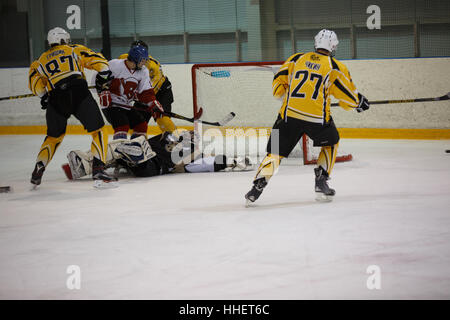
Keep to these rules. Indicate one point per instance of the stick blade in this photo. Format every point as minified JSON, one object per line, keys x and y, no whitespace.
{"x":5,"y":189}
{"x":227,"y":119}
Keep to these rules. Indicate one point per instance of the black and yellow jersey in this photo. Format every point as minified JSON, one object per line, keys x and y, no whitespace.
{"x":306,"y":82}
{"x":61,"y":62}
{"x":157,"y":77}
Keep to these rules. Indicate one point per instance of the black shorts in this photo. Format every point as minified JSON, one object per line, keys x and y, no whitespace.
{"x":164,"y":96}
{"x":73,"y":99}
{"x":118,"y":117}
{"x":286,"y":134}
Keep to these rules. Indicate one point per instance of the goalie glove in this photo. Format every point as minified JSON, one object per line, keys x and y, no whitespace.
{"x":135,"y":151}
{"x":240,"y":164}
{"x":363,"y":103}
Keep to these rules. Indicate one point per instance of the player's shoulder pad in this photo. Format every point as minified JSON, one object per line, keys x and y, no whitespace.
{"x":337,"y":65}
{"x":295,"y":57}
{"x":86,"y":52}
{"x":44,"y":54}
{"x":78,"y":46}
{"x":150,"y":58}
{"x":34,"y":64}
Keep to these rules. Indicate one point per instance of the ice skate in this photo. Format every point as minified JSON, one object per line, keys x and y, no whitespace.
{"x":102,"y":180}
{"x":323,"y":192}
{"x":255,"y":192}
{"x":36,"y":176}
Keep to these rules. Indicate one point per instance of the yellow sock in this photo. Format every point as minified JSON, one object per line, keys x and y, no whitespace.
{"x":327,"y":157}
{"x":48,"y":149}
{"x":99,"y":145}
{"x":269,"y":166}
{"x":166,"y":124}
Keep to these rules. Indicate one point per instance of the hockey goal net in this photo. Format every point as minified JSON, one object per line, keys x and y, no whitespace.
{"x":246,"y":90}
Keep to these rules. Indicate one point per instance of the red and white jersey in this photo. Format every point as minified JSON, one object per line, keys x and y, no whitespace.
{"x":129,"y":85}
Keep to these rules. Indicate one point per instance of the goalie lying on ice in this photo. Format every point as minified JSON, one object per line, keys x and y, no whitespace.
{"x":161,"y":154}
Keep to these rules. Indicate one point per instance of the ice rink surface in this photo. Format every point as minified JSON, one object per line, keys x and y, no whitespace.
{"x":189,"y":236}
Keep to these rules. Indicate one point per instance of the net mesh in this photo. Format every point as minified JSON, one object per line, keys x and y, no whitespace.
{"x":246,"y":90}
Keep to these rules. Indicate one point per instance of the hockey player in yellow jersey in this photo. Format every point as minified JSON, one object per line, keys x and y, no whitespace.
{"x":162,"y":87}
{"x":305,"y":82}
{"x":57,"y":77}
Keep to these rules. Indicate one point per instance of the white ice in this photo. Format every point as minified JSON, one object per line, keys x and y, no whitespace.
{"x":189,"y":236}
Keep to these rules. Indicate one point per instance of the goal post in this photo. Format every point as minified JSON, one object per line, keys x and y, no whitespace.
{"x":245,"y":89}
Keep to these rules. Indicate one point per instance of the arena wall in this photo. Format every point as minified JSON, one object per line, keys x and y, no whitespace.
{"x":377,"y":79}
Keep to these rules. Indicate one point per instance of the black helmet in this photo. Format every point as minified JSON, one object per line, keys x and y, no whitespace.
{"x":139,"y":43}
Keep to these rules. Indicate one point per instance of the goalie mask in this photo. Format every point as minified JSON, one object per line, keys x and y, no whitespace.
{"x":326,"y":39}
{"x":58,"y":36}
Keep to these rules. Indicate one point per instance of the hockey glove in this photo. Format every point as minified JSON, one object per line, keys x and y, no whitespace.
{"x":156,"y":109}
{"x":363,"y":103}
{"x":44,"y":101}
{"x":105,"y":98}
{"x":103,"y":80}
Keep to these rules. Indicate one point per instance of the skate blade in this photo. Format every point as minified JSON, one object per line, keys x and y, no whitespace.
{"x":33,"y":187}
{"x":100,"y":184}
{"x":321,"y":197}
{"x":248,"y":203}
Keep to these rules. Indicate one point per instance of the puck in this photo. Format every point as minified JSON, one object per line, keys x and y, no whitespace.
{"x":447,"y":151}
{"x":5,"y":189}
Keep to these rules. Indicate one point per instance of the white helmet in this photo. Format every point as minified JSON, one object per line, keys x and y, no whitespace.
{"x":326,"y":39}
{"x":57,"y":34}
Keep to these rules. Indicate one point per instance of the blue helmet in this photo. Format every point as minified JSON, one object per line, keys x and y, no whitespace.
{"x":137,"y":54}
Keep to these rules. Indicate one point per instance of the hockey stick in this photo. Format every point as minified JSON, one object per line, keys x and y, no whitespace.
{"x":144,"y":108}
{"x":445,"y":97}
{"x":28,"y":95}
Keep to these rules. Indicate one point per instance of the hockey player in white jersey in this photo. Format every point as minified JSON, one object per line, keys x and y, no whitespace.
{"x":131,"y":82}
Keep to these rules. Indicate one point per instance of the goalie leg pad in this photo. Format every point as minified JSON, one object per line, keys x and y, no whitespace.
{"x":135,"y":151}
{"x":80,"y":163}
